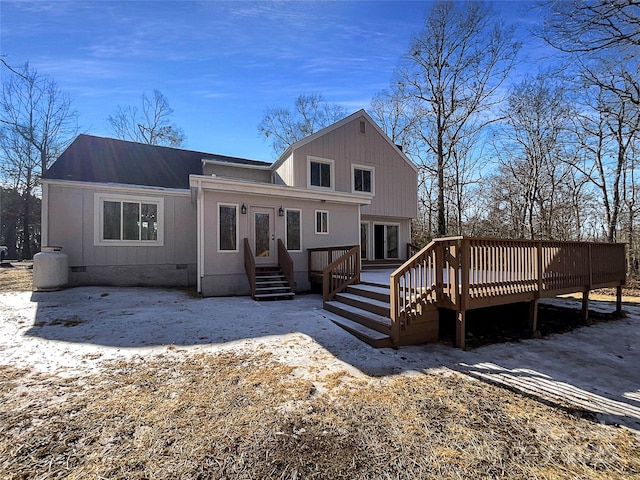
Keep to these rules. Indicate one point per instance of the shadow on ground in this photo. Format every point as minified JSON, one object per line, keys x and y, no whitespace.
{"x":589,"y":371}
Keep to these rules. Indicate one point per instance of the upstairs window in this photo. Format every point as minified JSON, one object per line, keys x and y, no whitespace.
{"x":320,"y":173}
{"x":363,"y":179}
{"x":128,"y":221}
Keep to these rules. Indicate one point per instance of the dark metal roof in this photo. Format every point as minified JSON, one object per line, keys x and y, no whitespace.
{"x":108,"y":160}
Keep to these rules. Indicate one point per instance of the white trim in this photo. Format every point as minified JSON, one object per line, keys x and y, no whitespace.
{"x":283,"y":191}
{"x":372,"y":169}
{"x":315,"y":222}
{"x":368,"y":224}
{"x":332,"y":174}
{"x":237,"y":207}
{"x":200,"y":231}
{"x":237,"y":165}
{"x":286,"y":240}
{"x":121,"y":187}
{"x":44,"y":216}
{"x":98,"y":220}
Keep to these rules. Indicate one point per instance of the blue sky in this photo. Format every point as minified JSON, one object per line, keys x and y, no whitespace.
{"x":220,"y":64}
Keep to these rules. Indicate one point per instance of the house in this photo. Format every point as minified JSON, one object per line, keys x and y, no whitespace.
{"x":134,"y":214}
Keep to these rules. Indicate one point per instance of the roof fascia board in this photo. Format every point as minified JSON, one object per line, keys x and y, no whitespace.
{"x":236,"y":165}
{"x":117,"y":187}
{"x":239,"y":186}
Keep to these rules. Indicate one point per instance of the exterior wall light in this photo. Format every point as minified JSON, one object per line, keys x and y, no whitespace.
{"x":243,"y":209}
{"x":281,"y":212}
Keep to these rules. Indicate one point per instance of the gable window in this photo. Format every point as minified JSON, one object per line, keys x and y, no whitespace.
{"x":293,"y":240}
{"x":227,"y":228}
{"x":320,"y":173}
{"x":363,"y":179}
{"x":322,"y":221}
{"x":128,"y":220}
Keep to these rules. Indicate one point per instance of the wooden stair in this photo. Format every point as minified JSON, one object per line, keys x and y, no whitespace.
{"x":271,"y":284}
{"x":363,"y":310}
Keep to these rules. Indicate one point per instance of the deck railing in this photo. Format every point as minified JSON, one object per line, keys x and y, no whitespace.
{"x":250,"y":266}
{"x":319,"y":258}
{"x":285,"y":262}
{"x":418,"y":283}
{"x":464,"y":273}
{"x":341,"y":273}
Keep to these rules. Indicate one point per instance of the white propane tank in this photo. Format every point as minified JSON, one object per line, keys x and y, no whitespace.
{"x":50,"y":269}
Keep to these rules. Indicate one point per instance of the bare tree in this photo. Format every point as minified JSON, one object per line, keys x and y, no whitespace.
{"x":608,"y":127}
{"x":150,"y":124}
{"x":585,"y":26}
{"x":37,"y":122}
{"x":285,"y":126}
{"x":531,"y":146}
{"x":451,"y":77}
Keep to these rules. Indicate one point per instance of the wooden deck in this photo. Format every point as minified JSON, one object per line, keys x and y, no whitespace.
{"x":462,"y":274}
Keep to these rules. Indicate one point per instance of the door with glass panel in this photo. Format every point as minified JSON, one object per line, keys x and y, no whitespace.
{"x":263,"y":230}
{"x":385,"y":241}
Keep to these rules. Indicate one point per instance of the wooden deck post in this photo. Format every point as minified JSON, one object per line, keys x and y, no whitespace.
{"x":463,"y":297}
{"x":619,"y":300}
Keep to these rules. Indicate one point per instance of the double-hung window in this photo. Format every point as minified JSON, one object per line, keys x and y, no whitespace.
{"x":321,"y":173}
{"x":128,"y":220}
{"x":363,"y":179}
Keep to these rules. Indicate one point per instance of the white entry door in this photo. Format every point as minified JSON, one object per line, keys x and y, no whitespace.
{"x":264,"y":235}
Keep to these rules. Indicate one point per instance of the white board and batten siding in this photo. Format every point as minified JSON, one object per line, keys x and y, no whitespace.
{"x":170,"y":263}
{"x":395,"y":178}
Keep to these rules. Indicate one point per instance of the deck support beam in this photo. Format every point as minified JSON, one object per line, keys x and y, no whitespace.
{"x":619,"y":300}
{"x":585,"y":307}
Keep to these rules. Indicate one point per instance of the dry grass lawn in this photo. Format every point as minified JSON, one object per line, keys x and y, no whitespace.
{"x":238,"y":417}
{"x":18,"y":278}
{"x":249,"y":416}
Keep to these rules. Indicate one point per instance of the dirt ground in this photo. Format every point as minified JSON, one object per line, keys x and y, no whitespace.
{"x":116,"y":383}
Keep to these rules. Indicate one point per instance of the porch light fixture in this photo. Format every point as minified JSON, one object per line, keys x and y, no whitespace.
{"x":243,"y":209}
{"x":281,"y":212}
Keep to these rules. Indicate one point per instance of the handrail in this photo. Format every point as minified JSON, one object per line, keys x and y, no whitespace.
{"x":320,"y":257}
{"x":285,"y":262}
{"x":250,"y":266}
{"x":341,"y":273}
{"x":412,"y":249}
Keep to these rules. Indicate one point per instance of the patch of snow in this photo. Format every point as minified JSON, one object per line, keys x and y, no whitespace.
{"x":73,"y":331}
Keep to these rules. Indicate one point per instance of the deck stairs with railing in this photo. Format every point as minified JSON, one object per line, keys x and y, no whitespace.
{"x":272,"y":282}
{"x":459,"y":274}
